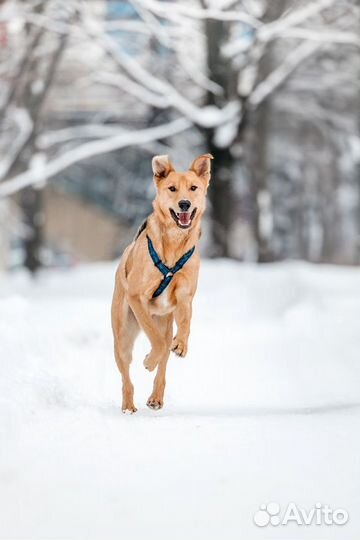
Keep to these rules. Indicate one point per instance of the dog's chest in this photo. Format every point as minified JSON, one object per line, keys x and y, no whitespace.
{"x":163,"y":303}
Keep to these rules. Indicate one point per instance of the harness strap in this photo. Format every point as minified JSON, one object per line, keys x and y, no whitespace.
{"x":167,"y":272}
{"x":156,"y":259}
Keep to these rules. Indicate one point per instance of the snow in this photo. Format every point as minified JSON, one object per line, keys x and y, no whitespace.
{"x":266,"y":407}
{"x":226,"y":134}
{"x":278,"y":76}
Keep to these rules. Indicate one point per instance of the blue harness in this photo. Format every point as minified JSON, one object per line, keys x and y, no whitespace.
{"x":167,"y":272}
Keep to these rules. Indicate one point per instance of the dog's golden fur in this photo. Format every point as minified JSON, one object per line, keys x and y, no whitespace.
{"x":133,"y":307}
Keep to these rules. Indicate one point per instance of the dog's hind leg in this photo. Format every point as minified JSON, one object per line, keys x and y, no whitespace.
{"x":125,"y":330}
{"x":156,"y":400}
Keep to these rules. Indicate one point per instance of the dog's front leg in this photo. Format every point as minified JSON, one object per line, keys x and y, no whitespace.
{"x":182,"y":316}
{"x":148,"y":324}
{"x":156,"y":400}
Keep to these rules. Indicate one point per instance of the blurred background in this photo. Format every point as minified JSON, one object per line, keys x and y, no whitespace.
{"x":90,"y":90}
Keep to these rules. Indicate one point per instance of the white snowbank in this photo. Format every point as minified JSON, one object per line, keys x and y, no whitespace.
{"x":266,"y":407}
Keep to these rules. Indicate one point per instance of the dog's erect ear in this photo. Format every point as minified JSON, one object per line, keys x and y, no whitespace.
{"x":161,"y":166}
{"x":202,"y":166}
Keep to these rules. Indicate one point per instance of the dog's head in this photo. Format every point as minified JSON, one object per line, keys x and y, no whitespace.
{"x":180,"y":198}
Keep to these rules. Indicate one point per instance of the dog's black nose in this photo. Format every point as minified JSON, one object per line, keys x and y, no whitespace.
{"x":184,"y":205}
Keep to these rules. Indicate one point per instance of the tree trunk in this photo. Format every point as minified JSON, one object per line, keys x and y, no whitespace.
{"x":220,"y":195}
{"x":220,"y":191}
{"x":262,"y":196}
{"x":261,"y":190}
{"x":30,"y":199}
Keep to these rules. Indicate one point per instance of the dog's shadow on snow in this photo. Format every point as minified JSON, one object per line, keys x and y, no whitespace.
{"x":114,"y":410}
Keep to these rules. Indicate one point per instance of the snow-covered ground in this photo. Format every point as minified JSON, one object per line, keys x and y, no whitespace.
{"x":265,"y":408}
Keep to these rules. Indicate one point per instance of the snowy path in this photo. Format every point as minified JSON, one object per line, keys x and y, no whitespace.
{"x":266,"y":407}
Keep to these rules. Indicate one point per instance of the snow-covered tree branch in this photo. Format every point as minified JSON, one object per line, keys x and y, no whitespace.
{"x":37,"y":175}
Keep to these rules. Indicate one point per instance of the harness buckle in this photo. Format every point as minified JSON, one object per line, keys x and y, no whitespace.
{"x":169,"y":274}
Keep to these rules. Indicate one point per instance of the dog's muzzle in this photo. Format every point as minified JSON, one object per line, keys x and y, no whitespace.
{"x":183,"y":219}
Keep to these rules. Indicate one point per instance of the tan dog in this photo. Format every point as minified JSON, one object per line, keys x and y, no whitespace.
{"x":169,"y":236}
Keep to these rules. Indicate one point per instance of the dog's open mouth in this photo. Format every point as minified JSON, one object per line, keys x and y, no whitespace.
{"x":183,"y":219}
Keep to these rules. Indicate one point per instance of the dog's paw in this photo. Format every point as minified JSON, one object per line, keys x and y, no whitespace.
{"x":151,"y":361}
{"x":128,"y":408}
{"x":179,"y":346}
{"x":155,"y":403}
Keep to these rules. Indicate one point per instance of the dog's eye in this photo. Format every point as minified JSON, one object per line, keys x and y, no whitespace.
{"x":172,"y":188}
{"x":193,"y":188}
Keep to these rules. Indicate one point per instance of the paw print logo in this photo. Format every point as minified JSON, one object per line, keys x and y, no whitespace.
{"x":267,"y":514}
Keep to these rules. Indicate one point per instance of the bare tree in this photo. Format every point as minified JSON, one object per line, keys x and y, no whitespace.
{"x":26,"y":96}
{"x":222,"y":69}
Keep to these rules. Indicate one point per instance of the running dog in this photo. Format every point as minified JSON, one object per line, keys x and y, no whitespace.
{"x":157,"y":277}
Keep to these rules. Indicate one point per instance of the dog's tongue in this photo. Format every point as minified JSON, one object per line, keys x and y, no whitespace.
{"x":184,"y":218}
